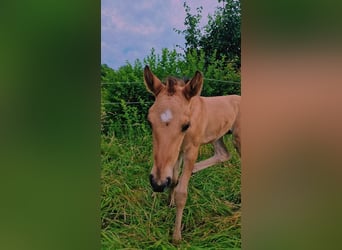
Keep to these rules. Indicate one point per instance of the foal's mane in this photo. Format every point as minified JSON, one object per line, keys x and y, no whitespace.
{"x":171,"y":82}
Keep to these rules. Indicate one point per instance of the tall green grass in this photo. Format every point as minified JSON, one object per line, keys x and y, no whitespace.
{"x":133,"y":217}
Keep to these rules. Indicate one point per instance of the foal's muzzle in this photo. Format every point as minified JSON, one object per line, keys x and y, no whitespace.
{"x":159,"y":187}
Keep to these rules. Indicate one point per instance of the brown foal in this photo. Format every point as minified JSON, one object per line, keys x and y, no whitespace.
{"x":181,"y":122}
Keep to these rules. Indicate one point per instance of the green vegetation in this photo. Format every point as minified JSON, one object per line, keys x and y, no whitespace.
{"x":125,"y":101}
{"x":135,"y":218}
{"x":132,"y":216}
{"x":221,"y":36}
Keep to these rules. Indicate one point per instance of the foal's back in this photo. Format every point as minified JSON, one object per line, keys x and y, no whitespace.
{"x":215,"y":115}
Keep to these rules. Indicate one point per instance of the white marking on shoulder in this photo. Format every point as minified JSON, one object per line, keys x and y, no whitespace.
{"x":166,"y":116}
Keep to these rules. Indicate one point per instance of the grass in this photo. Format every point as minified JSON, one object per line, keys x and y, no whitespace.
{"x":135,"y":218}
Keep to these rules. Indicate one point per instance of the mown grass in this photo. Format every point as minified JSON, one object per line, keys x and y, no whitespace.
{"x":135,"y":218}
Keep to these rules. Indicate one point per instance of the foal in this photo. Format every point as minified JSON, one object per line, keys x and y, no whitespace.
{"x":181,"y":121}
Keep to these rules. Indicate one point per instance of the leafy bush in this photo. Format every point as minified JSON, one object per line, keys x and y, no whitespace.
{"x":125,"y":101}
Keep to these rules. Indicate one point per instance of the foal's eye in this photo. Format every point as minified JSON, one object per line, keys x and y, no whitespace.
{"x":185,"y":126}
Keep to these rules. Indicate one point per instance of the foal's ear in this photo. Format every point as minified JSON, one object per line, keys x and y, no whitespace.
{"x":194,"y":86}
{"x":153,"y":84}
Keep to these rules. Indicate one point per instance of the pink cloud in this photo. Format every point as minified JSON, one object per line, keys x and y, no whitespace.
{"x":115,"y":21}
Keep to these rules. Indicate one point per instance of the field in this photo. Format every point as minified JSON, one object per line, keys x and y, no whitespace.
{"x":133,"y":217}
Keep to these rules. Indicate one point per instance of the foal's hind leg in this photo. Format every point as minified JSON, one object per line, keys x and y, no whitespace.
{"x":237,"y":134}
{"x":237,"y":143}
{"x":221,"y":155}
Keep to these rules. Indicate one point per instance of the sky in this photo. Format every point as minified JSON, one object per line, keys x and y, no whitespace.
{"x":131,"y":28}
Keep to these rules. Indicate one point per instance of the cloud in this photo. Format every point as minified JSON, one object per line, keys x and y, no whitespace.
{"x":135,"y":23}
{"x":130,"y":29}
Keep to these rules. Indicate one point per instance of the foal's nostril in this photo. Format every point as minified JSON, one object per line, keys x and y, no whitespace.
{"x":159,"y":187}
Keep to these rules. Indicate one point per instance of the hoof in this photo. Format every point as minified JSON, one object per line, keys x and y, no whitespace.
{"x":176,"y":238}
{"x":176,"y":241}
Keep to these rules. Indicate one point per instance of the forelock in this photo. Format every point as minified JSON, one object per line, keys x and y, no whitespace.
{"x":172,"y":83}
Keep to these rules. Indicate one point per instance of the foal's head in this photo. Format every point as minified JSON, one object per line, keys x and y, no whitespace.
{"x":169,"y":117}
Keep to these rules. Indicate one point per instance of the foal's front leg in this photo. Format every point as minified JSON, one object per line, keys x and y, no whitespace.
{"x":175,"y":176}
{"x":181,"y":190}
